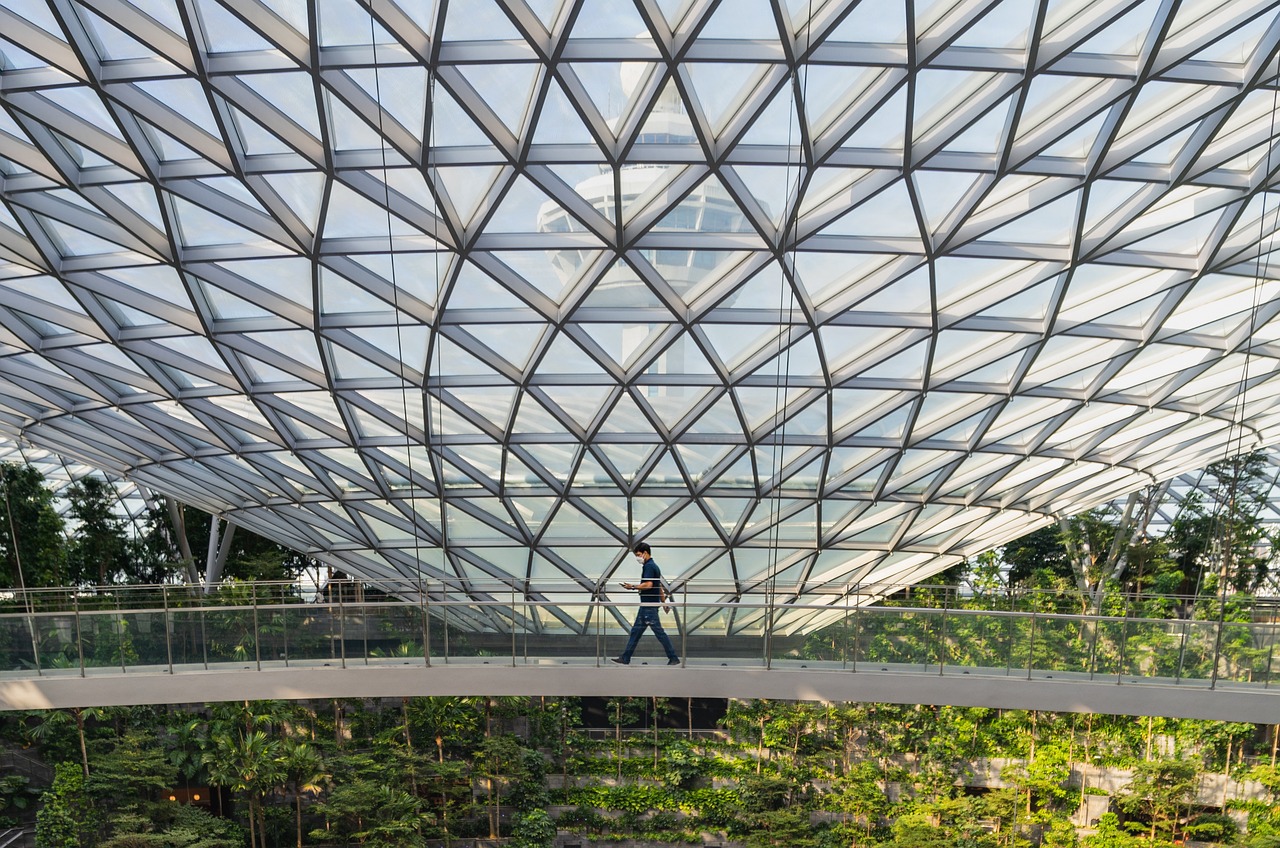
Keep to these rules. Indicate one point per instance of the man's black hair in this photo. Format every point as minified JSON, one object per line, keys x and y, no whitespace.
{"x":640,"y":548}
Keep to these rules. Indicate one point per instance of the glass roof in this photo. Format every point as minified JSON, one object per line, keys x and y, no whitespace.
{"x":129,"y":504}
{"x":829,"y":291}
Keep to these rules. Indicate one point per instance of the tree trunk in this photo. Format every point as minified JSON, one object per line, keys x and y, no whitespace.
{"x":84,"y":752}
{"x":297,"y":806}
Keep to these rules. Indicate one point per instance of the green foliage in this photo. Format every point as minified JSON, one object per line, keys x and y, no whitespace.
{"x":1158,"y":789}
{"x":67,"y":817}
{"x":374,"y":814}
{"x":31,"y":532}
{"x":169,"y":825}
{"x":98,"y":553}
{"x":533,"y":829}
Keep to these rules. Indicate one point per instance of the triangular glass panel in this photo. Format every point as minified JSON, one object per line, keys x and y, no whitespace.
{"x":1042,"y":225}
{"x":451,"y":125}
{"x":798,"y":361}
{"x":351,"y":132}
{"x":566,"y":357}
{"x":777,"y":125}
{"x":533,"y":417}
{"x":735,"y":343}
{"x":223,"y":32}
{"x":907,"y":365}
{"x":742,"y":19}
{"x":667,"y":121}
{"x":523,"y":208}
{"x":532,"y":267}
{"x":628,"y":459}
{"x":73,"y":241}
{"x":352,"y":215}
{"x":648,"y":509}
{"x":884,"y":128}
{"x":493,"y":403}
{"x":577,"y":403}
{"x":986,"y":135}
{"x":474,"y":289}
{"x":571,"y":524}
{"x":890,"y":213}
{"x":622,"y":288}
{"x":1078,"y":142}
{"x":665,"y":473}
{"x":559,"y":122}
{"x":720,"y":420}
{"x":252,"y":138}
{"x":479,"y":20}
{"x":671,"y":403}
{"x":1122,"y":36}
{"x":402,"y":92}
{"x":872,"y":22}
{"x":294,"y":89}
{"x":507,"y":89}
{"x":728,"y":513}
{"x":592,"y":475}
{"x":692,"y":524}
{"x":467,"y":187}
{"x":613,"y":89}
{"x":187,"y":104}
{"x":196,"y":226}
{"x":515,"y":343}
{"x":1005,"y":25}
{"x":302,"y":192}
{"x":610,"y":19}
{"x":724,"y":90}
{"x":771,"y":187}
{"x":517,"y":475}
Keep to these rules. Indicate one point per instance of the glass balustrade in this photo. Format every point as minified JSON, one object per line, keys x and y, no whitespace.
{"x":266,"y":626}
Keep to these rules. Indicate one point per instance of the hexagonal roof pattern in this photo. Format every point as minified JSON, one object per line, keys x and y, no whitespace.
{"x":816,"y":293}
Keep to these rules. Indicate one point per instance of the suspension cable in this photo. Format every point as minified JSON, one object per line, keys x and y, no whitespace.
{"x":395,"y":297}
{"x":798,"y":83}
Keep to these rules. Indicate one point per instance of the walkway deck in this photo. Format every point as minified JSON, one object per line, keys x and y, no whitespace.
{"x":132,"y":647}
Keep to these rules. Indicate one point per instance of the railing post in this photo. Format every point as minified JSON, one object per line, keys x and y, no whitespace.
{"x":426,"y":622}
{"x":342,"y":624}
{"x":1031,"y":644}
{"x":1124,"y":642}
{"x":942,"y":641}
{"x":75,"y":601}
{"x":857,"y":627}
{"x":683,"y":624}
{"x":1217,"y":640}
{"x":768,"y":630}
{"x":257,"y":631}
{"x":364,"y":624}
{"x":168,"y":632}
{"x":120,"y":634}
{"x":1093,"y":645}
{"x":284,"y":627}
{"x":444,"y":600}
{"x":1182,"y":651}
{"x":513,"y":625}
{"x":1271,"y":650}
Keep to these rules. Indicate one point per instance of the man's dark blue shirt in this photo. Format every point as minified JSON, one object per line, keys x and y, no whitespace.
{"x":651,"y":574}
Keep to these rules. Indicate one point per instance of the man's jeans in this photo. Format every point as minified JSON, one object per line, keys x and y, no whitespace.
{"x":648,"y":617}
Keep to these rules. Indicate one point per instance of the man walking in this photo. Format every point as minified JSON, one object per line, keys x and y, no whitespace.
{"x":652,"y":595}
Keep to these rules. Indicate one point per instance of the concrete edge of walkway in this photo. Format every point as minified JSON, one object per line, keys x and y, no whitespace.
{"x":1257,"y":705}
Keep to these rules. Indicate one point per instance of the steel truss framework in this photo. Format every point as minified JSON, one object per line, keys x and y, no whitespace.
{"x":822,"y":292}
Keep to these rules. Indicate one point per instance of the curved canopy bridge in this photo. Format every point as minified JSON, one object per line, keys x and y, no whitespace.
{"x":170,"y":645}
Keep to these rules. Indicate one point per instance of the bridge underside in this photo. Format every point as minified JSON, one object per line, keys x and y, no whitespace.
{"x":814,"y":681}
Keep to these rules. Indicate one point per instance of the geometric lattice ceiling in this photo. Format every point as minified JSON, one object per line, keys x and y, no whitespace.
{"x":836,"y":291}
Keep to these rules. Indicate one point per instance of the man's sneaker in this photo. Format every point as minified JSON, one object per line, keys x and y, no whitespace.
{"x":619,"y":661}
{"x":673,"y":661}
